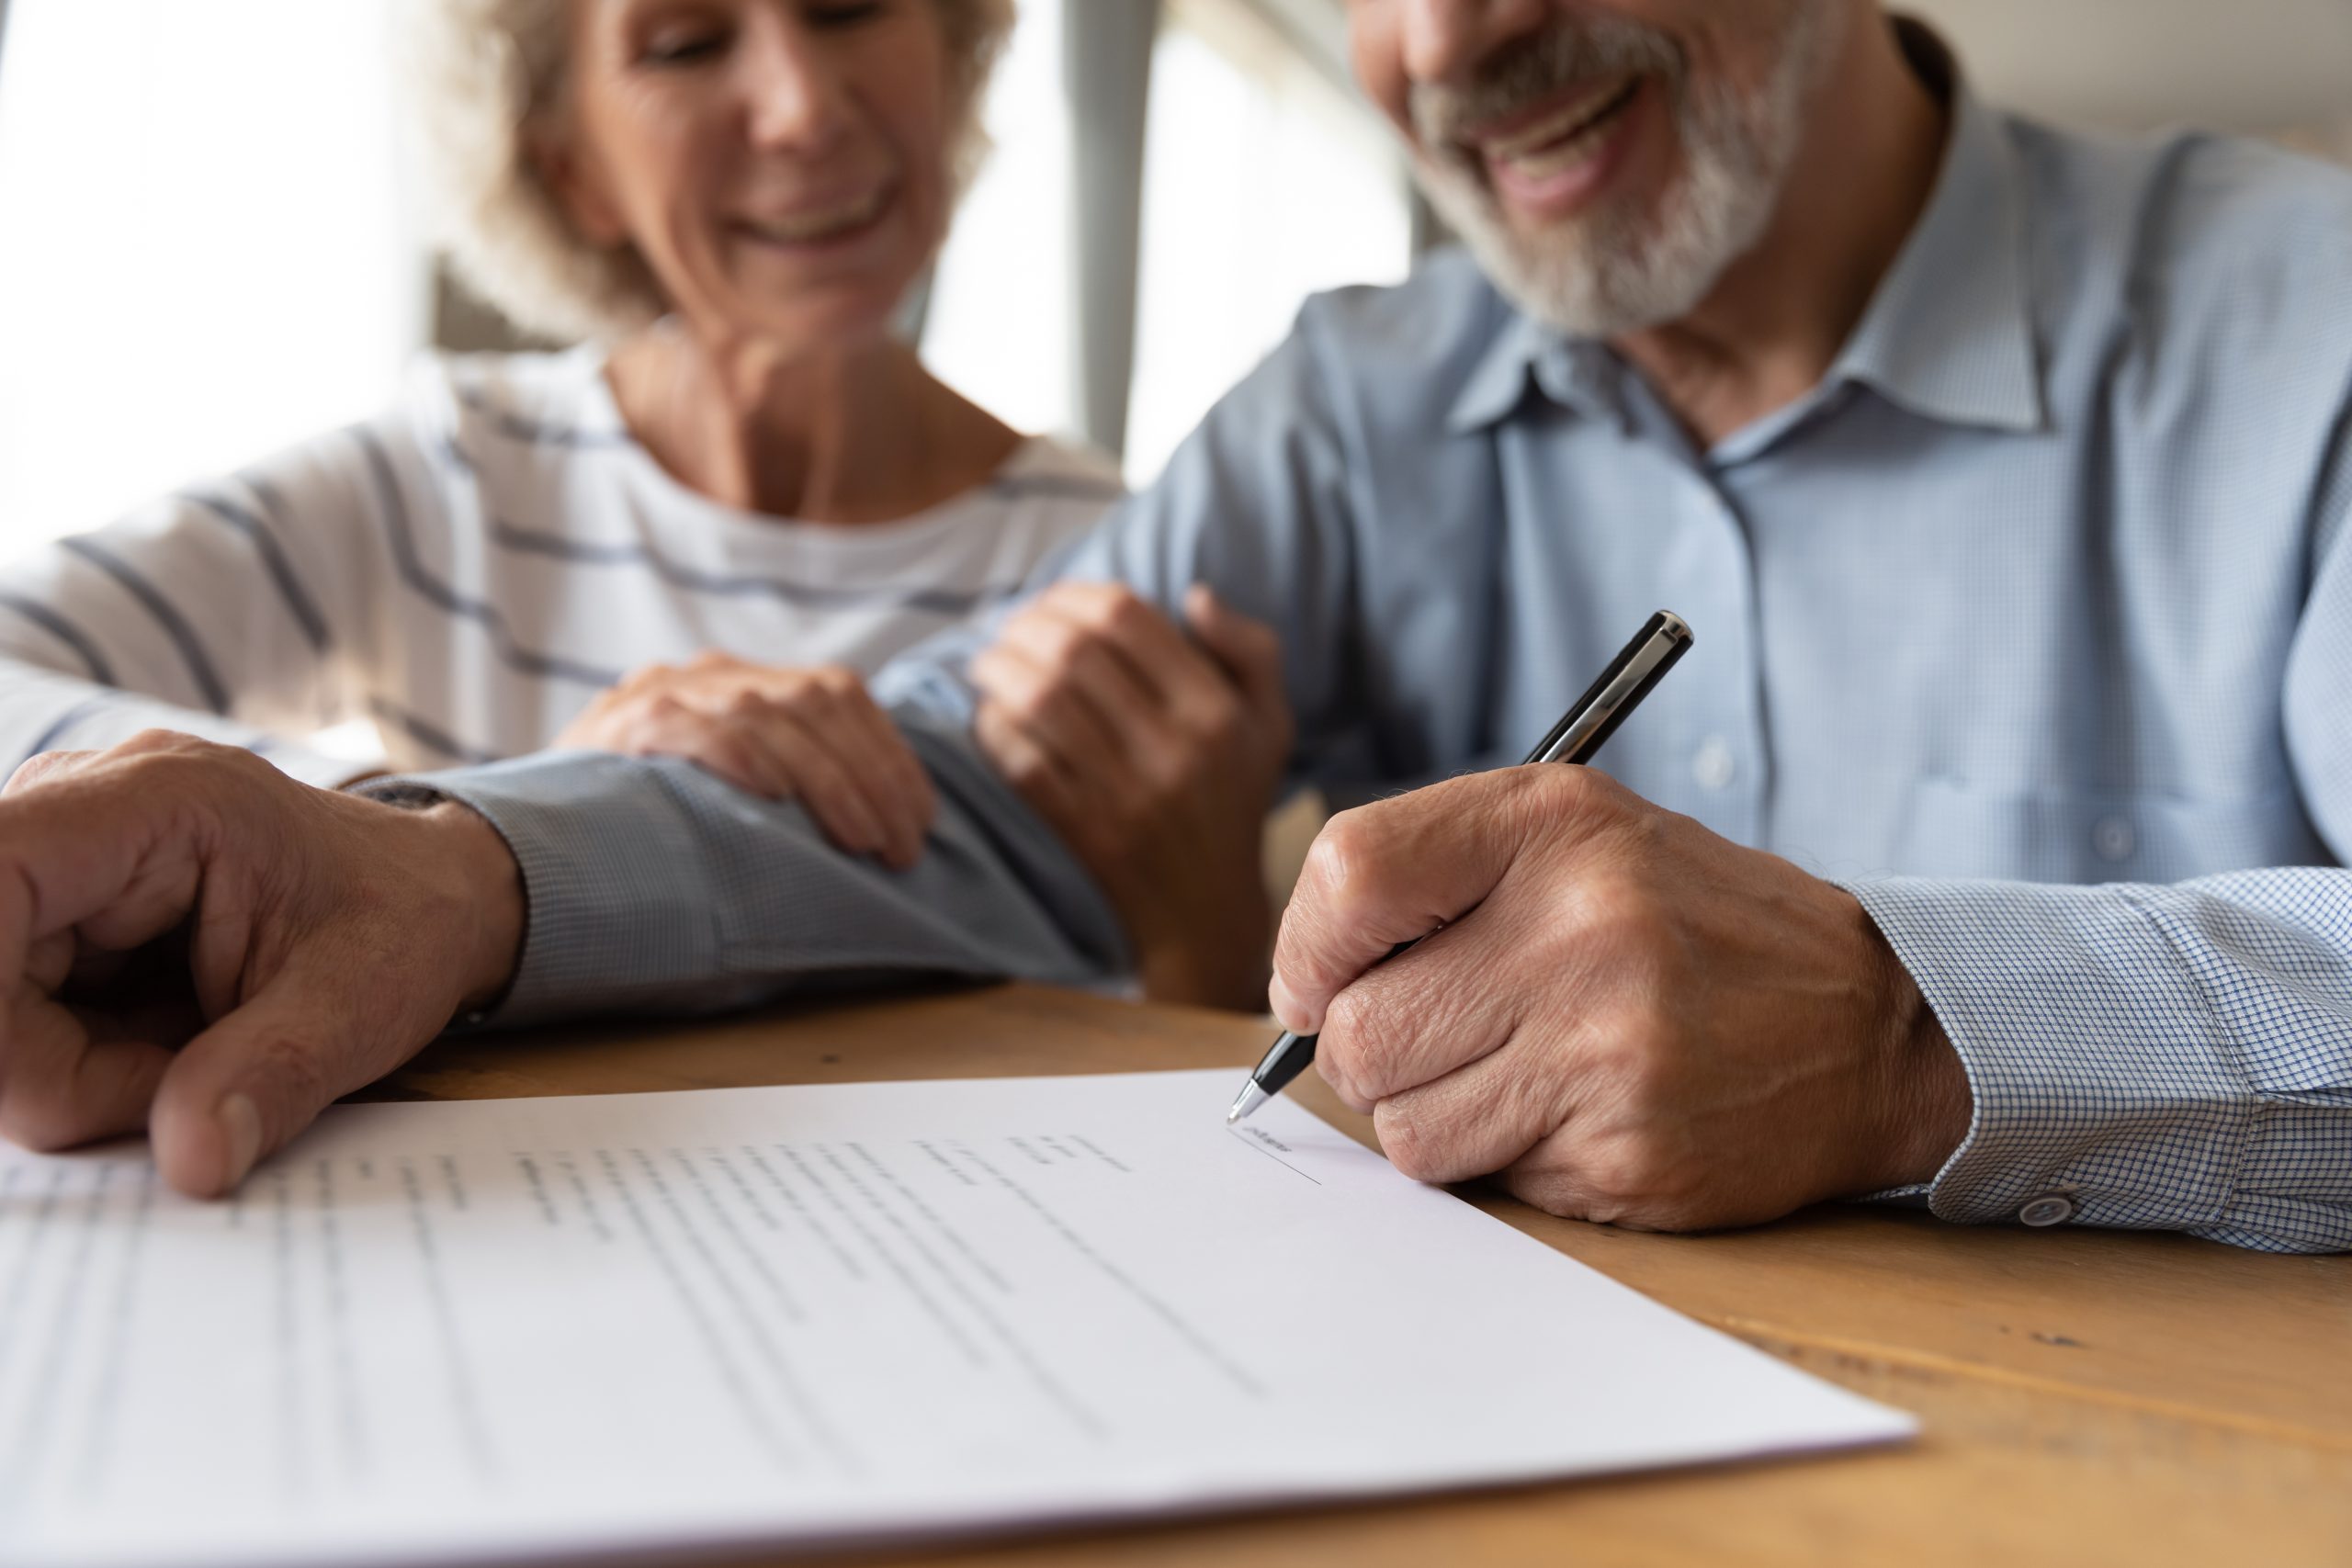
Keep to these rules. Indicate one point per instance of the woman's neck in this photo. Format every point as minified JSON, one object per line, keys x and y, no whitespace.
{"x":845,"y":436}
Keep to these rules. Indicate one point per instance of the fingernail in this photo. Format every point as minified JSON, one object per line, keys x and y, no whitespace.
{"x":240,"y":1121}
{"x":1285,"y":1006}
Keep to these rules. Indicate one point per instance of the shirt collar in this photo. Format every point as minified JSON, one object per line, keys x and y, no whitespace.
{"x":1948,"y":334}
{"x":1576,"y":373}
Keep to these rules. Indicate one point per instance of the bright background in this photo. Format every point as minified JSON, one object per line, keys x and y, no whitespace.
{"x":225,"y":262}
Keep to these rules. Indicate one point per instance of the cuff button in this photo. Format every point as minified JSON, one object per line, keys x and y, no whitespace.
{"x":2050,"y":1209}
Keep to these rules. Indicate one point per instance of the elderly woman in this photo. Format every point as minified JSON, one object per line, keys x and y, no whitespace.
{"x":727,"y":201}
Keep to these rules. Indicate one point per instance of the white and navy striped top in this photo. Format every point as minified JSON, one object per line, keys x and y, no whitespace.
{"x":468,"y":571}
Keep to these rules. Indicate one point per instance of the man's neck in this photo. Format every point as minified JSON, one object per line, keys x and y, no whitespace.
{"x":1774,"y":323}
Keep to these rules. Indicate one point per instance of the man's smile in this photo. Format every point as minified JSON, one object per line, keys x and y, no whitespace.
{"x":1549,"y":160}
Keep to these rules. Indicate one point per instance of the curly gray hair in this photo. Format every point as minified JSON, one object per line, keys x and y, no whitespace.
{"x":486,"y":72}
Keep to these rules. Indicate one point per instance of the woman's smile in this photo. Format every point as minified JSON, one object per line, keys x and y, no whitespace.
{"x":819,"y":224}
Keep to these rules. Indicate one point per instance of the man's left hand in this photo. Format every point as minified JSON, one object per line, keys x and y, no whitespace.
{"x":1627,"y":1017}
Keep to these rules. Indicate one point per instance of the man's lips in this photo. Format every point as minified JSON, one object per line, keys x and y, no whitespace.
{"x":1529,"y":130}
{"x":1550,"y":162}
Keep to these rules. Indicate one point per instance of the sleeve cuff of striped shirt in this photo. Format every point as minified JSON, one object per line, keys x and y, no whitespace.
{"x":2107,"y":1075}
{"x":620,"y":910}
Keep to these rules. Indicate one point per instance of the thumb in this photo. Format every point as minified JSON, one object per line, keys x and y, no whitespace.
{"x":245,"y":1086}
{"x":1390,"y":872}
{"x":1250,"y":651}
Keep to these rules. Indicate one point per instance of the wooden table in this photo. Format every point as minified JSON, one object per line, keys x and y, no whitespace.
{"x":2088,"y":1396}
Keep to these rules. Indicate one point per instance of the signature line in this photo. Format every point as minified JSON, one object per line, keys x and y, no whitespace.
{"x":1252,"y":1143}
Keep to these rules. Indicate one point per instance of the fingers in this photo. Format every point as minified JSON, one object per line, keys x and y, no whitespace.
{"x":1141,"y":641}
{"x":1250,"y":651}
{"x":1034,"y":771}
{"x":246,"y":1085}
{"x":1165,"y":700}
{"x":1397,"y":870}
{"x":765,"y":749}
{"x":884,"y":767}
{"x":1375,"y":876}
{"x":1060,"y":716}
{"x":45,"y":767}
{"x":1077,"y":668}
{"x":662,"y":726}
{"x":1414,"y":1018}
{"x":108,"y":852}
{"x":1476,"y":1120}
{"x":60,"y":1086}
{"x":814,"y":736}
{"x":823,"y":781}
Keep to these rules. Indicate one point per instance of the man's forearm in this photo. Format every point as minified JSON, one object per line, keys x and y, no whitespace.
{"x":652,"y":886}
{"x":2160,"y":1057}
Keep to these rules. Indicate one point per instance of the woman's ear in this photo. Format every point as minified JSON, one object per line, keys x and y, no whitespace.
{"x":578,"y":185}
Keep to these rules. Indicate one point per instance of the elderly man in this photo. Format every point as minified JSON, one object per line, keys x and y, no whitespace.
{"x":1984,"y":851}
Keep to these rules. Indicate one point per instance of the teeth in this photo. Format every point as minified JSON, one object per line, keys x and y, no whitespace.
{"x":1564,"y":139}
{"x":803,"y":227}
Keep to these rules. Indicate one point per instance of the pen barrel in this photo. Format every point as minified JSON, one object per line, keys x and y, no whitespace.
{"x":1609,"y":701}
{"x":1284,"y":1061}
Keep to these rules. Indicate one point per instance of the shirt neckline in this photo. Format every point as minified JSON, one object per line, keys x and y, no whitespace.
{"x":1948,"y":335}
{"x":1034,"y":456}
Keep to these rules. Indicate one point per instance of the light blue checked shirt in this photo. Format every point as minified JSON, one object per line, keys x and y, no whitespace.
{"x":2032,"y":625}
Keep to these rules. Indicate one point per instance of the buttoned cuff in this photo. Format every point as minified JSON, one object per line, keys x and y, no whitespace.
{"x":620,"y":911}
{"x":2103,"y":1090}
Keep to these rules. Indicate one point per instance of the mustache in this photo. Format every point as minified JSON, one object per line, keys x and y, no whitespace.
{"x":1538,"y":68}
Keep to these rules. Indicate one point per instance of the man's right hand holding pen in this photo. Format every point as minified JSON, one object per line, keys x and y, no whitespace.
{"x":1626,"y":1016}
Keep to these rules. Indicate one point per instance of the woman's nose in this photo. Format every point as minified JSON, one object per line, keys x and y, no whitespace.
{"x":795,"y":94}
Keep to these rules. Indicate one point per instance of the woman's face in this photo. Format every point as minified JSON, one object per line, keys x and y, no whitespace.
{"x":782,"y":166}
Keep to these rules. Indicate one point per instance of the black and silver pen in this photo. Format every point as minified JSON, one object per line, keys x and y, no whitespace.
{"x":1594,"y":718}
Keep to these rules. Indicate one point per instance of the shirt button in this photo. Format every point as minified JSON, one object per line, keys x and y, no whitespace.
{"x":2050,"y":1209}
{"x":2113,"y":838}
{"x":1714,"y":766}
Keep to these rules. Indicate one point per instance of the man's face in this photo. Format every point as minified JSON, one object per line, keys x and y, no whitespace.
{"x":1605,"y":159}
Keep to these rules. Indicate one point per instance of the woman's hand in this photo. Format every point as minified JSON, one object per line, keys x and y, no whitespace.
{"x":1155,"y":756}
{"x":814,"y":736}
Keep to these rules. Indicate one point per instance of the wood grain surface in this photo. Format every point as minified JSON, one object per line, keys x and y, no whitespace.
{"x":2088,"y":1396}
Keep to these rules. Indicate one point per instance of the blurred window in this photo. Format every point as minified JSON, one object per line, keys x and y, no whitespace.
{"x":222,"y":262}
{"x":998,"y":324}
{"x":1265,"y":181}
{"x":205,"y":257}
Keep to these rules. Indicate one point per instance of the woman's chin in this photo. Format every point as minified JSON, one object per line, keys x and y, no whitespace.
{"x":843,"y":316}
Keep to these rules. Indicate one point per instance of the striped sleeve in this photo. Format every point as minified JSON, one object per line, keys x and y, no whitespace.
{"x":232,"y":609}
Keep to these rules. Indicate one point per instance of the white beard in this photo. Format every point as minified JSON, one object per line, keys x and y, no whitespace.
{"x":1617,"y":269}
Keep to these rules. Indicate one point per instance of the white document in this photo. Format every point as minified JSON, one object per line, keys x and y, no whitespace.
{"x":529,"y":1327}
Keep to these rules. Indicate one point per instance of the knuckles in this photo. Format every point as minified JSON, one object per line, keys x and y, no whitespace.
{"x":1343,"y":879}
{"x":1646,"y":1181}
{"x":837,"y":681}
{"x":1369,"y":1040}
{"x":1416,"y":1146}
{"x":1615,"y":920}
{"x":746,"y":704}
{"x":1111,"y":612}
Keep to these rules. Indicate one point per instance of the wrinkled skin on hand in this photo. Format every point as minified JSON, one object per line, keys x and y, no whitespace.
{"x":814,"y":736}
{"x":194,"y":944}
{"x":1622,"y":1016}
